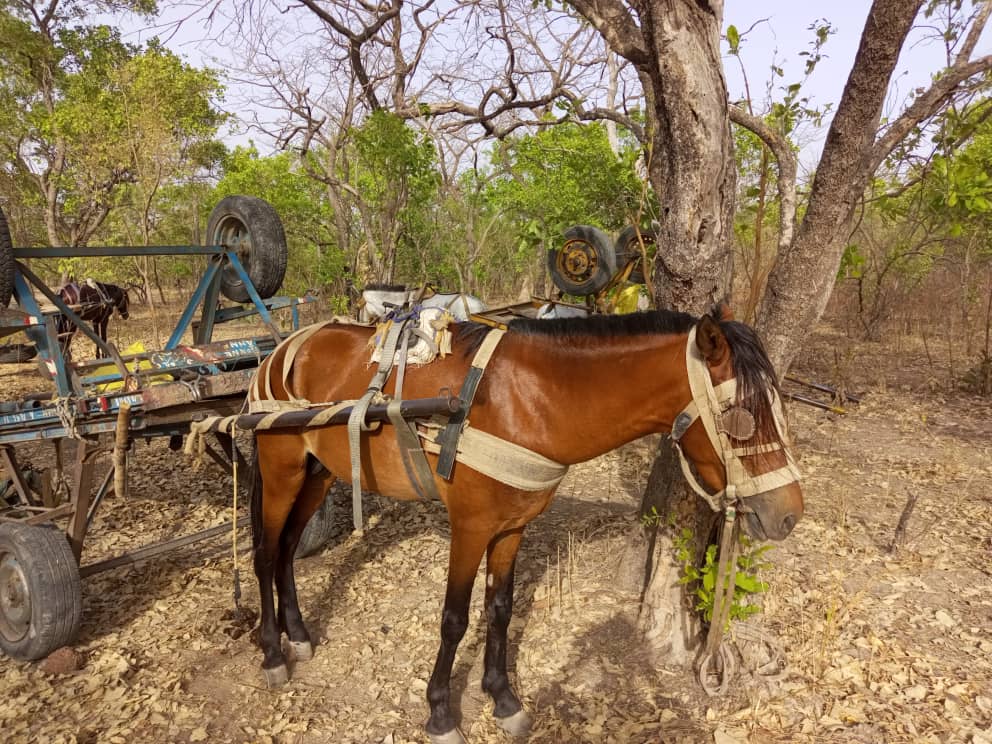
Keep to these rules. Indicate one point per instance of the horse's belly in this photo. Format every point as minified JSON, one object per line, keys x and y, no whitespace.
{"x":382,"y":468}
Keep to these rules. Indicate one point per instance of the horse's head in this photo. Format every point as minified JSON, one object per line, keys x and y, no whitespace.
{"x":734,"y":429}
{"x":122,"y":302}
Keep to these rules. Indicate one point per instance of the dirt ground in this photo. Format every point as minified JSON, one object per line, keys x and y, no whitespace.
{"x":881,"y":647}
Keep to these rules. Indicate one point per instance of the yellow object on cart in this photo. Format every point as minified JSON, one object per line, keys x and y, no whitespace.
{"x":133,"y":365}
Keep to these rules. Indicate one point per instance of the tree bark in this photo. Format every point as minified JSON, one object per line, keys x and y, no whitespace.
{"x":691,"y":168}
{"x":691,"y":163}
{"x":800,"y":283}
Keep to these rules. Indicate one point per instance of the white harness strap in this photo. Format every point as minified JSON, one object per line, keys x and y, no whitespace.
{"x":707,"y":404}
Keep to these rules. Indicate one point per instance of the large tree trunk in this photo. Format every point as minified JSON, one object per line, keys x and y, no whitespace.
{"x":691,"y":167}
{"x":803,"y":276}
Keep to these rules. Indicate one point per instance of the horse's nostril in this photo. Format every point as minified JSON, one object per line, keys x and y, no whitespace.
{"x":788,"y":523}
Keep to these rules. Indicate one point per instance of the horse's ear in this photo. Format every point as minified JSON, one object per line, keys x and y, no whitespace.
{"x":710,"y":340}
{"x":724,"y":312}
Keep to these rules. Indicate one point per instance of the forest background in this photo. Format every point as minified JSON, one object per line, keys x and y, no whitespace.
{"x":106,"y":141}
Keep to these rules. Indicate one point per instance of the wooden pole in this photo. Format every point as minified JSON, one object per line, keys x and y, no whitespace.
{"x":120,"y":449}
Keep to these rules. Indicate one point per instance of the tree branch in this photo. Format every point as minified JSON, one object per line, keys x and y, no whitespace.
{"x":614,"y":21}
{"x":786,"y":159}
{"x":925,"y":106}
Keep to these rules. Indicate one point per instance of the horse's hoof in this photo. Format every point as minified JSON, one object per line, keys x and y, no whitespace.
{"x":301,"y":650}
{"x":452,"y":737}
{"x":516,"y":725}
{"x":276,"y":676}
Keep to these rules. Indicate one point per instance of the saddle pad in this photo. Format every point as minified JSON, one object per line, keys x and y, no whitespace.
{"x":434,"y":338}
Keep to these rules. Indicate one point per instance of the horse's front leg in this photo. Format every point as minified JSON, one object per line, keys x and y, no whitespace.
{"x":101,"y":328}
{"x":289,"y":615}
{"x":500,"y":559}
{"x":463,"y":562}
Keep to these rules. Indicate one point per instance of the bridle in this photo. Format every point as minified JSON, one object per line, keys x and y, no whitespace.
{"x":725,"y":421}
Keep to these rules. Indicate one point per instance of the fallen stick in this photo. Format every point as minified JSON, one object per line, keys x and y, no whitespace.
{"x":815,"y":403}
{"x":907,"y":511}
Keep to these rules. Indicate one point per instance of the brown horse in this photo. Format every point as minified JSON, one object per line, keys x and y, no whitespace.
{"x":568,"y":389}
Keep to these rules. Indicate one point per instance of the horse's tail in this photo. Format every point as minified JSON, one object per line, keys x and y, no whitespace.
{"x":255,"y":495}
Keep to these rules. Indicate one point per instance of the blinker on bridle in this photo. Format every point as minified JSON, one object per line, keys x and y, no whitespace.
{"x":726,"y":422}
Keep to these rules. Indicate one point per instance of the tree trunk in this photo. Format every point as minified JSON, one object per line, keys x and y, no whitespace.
{"x":691,"y":167}
{"x":802,"y":279}
{"x":691,"y":164}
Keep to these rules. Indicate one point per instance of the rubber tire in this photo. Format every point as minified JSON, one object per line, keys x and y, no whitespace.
{"x":54,"y":587}
{"x":319,"y":529}
{"x":17,"y":353}
{"x":627,"y":247}
{"x":6,"y":262}
{"x":266,"y":256}
{"x":602,"y":272}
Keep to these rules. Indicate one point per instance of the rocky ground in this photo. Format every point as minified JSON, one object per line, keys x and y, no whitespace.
{"x":881,"y":647}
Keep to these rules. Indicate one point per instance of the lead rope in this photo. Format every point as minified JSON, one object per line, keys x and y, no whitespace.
{"x":234,"y":514}
{"x":718,"y":660}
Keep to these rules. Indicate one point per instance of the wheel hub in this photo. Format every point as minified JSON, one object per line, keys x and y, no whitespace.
{"x":233,"y":234}
{"x":577,"y":260}
{"x":15,"y":599}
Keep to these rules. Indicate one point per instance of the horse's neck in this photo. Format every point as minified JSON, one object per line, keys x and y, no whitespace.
{"x":605,"y":393}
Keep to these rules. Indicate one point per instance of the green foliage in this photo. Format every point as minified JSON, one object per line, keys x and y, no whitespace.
{"x":396,"y":180}
{"x":95,"y":123}
{"x":562,"y":176}
{"x":702,"y":579}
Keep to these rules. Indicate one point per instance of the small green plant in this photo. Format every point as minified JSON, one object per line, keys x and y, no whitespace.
{"x":703,"y":578}
{"x":651,"y":519}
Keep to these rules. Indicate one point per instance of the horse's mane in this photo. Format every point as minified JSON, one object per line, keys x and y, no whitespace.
{"x":756,"y":377}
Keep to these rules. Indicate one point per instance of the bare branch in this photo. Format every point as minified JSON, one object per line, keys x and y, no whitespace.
{"x":926,"y":105}
{"x":971,"y":40}
{"x":786,"y":159}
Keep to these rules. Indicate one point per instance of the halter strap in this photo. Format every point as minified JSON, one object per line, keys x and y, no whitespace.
{"x":706,"y":405}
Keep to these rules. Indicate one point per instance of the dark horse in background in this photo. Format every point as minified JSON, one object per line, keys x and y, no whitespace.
{"x":94,"y":302}
{"x":551,"y":387}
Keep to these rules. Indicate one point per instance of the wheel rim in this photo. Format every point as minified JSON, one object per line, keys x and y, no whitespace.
{"x":233,"y":233}
{"x":577,"y":261}
{"x":15,"y":599}
{"x":633,"y":248}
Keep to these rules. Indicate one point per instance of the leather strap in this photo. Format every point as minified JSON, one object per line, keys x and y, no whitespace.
{"x":448,"y":439}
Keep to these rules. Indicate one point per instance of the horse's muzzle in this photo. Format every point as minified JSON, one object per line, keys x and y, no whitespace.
{"x":770,"y":518}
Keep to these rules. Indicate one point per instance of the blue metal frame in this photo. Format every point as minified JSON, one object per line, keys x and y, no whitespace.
{"x":97,"y":412}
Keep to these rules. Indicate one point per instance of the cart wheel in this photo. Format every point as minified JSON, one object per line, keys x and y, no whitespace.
{"x":252,"y":227}
{"x":6,"y":262}
{"x":628,"y":247}
{"x":585,"y":264}
{"x":319,"y":529}
{"x":40,"y":595}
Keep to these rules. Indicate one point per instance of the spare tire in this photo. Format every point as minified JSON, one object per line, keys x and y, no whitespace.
{"x":6,"y":263}
{"x":252,"y":228}
{"x":629,"y":248}
{"x":585,"y":263}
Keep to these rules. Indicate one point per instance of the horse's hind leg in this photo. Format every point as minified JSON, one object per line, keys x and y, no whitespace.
{"x":280,"y":480}
{"x":500,"y":559}
{"x":314,"y":490}
{"x":463,"y":562}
